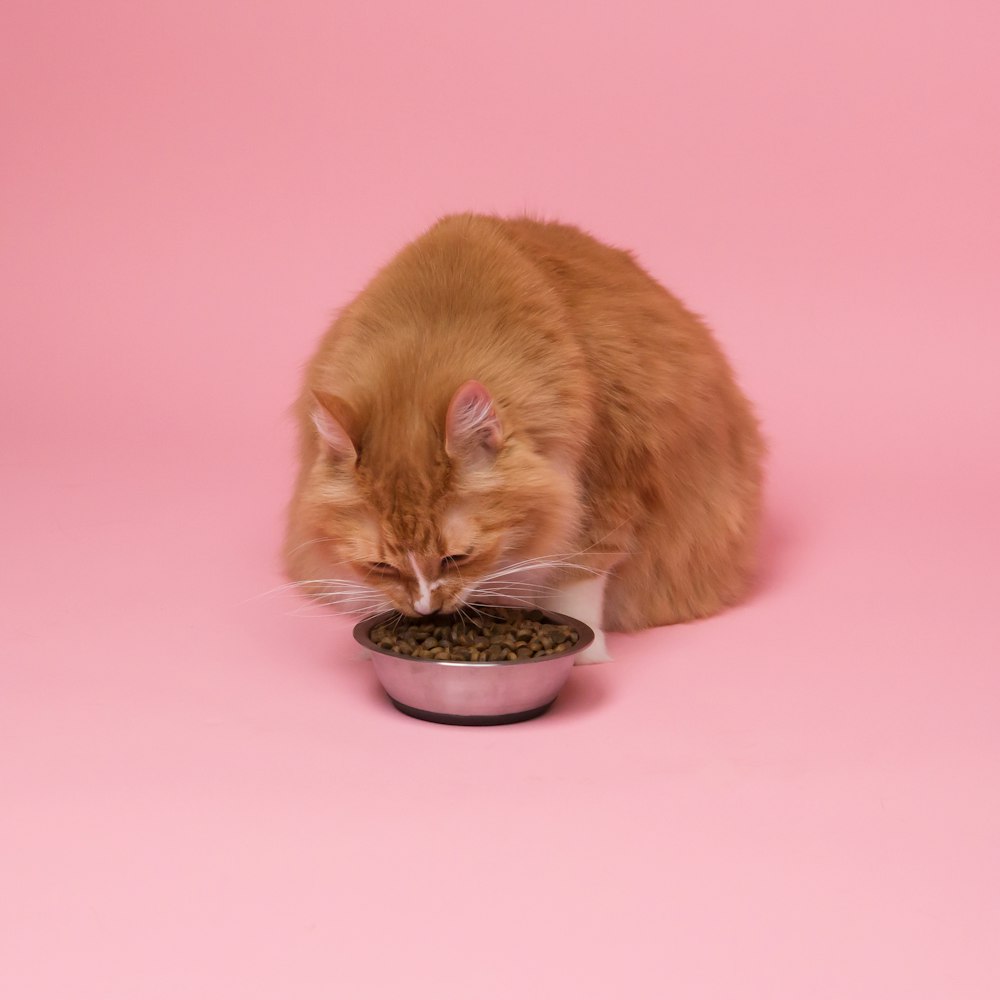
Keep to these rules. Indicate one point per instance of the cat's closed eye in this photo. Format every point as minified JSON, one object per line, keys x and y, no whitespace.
{"x":456,"y":559}
{"x":382,"y":569}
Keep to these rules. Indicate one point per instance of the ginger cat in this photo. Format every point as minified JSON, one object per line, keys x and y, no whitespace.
{"x":512,"y":412}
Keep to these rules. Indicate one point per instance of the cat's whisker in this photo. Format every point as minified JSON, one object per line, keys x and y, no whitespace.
{"x":562,"y":560}
{"x":501,"y":591}
{"x":506,"y":583}
{"x":340,"y":584}
{"x":481,"y":609}
{"x":301,"y":583}
{"x":551,"y":555}
{"x":293,"y":587}
{"x":343,"y":600}
{"x":351,"y":599}
{"x":346,"y":591}
{"x":519,"y":601}
{"x":552,"y":559}
{"x":478,"y":612}
{"x":367,"y":610}
{"x":524,"y":587}
{"x":282,"y":588}
{"x":354,"y":588}
{"x":355,"y":613}
{"x":310,"y":541}
{"x":593,"y":545}
{"x":541,"y":564}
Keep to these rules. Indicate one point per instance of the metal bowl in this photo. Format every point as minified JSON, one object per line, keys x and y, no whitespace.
{"x":458,"y":693}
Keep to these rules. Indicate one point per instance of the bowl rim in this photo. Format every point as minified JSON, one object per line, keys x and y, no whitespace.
{"x":586,"y":637}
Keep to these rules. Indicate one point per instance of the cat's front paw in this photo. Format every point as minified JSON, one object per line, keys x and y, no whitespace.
{"x":583,"y":600}
{"x":596,"y":652}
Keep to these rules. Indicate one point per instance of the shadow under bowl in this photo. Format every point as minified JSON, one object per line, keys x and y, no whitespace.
{"x":460,"y":693}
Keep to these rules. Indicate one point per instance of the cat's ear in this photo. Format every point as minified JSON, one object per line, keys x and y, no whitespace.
{"x":472,"y":427}
{"x":336,"y":424}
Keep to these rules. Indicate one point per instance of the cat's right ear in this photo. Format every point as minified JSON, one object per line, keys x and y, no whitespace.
{"x":336,"y":424}
{"x":472,"y":427}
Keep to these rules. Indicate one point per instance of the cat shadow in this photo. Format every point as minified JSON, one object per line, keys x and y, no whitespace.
{"x":778,"y":539}
{"x":587,"y":690}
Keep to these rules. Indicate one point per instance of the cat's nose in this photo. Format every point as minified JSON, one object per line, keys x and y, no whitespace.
{"x":427,"y":604}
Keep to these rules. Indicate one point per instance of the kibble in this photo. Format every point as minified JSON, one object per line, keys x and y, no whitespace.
{"x":505,"y":634}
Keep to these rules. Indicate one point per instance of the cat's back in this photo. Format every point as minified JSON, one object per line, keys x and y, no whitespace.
{"x":572,"y":256}
{"x":520,"y":268}
{"x":524,"y":296}
{"x":466,"y":296}
{"x":630,"y":327}
{"x":579,"y":268}
{"x":611,"y":302}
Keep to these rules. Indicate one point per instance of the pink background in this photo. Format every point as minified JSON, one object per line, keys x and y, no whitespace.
{"x":204,"y":795}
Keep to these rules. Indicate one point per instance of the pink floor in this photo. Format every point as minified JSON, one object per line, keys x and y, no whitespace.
{"x":202,"y":792}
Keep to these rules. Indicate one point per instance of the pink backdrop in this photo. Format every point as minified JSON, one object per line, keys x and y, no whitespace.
{"x":204,"y":795}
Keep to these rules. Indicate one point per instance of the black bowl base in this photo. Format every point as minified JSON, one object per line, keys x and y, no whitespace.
{"x":472,"y":720}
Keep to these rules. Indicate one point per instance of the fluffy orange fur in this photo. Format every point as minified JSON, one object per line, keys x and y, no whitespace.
{"x":511,"y":409}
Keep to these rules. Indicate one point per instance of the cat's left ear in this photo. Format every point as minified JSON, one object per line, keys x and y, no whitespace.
{"x":336,"y":424}
{"x":472,"y":427}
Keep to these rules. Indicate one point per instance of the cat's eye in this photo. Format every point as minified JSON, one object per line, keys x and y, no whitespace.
{"x":382,"y":569}
{"x":456,"y":559}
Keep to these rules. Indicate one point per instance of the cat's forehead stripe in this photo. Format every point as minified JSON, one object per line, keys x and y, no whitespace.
{"x":423,"y":602}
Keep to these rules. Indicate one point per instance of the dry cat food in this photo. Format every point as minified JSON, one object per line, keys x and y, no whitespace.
{"x":505,"y":634}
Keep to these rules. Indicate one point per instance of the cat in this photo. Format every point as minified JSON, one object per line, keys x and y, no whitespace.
{"x":512,"y":412}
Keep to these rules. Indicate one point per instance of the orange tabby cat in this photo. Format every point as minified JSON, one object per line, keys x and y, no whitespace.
{"x":514,"y":413}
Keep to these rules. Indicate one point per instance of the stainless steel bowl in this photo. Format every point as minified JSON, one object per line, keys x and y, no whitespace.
{"x":472,"y":694}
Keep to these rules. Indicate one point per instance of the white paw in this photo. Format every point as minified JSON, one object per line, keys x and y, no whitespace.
{"x":583,"y":600}
{"x":596,"y":652}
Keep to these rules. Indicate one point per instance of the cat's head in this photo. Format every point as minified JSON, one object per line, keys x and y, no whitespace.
{"x":421,"y":510}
